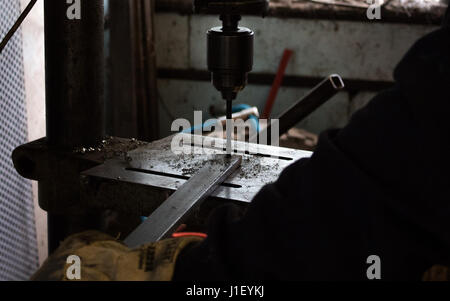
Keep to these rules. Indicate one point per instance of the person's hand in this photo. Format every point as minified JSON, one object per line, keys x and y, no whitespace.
{"x":103,"y":258}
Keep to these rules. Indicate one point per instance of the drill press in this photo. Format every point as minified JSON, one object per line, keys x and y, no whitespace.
{"x":230,"y":48}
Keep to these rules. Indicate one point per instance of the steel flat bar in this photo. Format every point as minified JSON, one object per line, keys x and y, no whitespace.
{"x":164,"y":220}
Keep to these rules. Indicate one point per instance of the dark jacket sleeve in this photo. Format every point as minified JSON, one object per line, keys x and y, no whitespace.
{"x":379,"y":186}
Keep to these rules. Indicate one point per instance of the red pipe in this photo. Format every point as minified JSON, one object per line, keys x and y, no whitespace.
{"x":277,"y":83}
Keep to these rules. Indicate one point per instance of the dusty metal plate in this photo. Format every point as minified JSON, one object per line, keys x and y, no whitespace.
{"x":156,"y":165}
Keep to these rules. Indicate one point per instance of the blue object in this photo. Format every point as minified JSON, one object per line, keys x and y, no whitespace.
{"x":253,"y":118}
{"x":236,"y":109}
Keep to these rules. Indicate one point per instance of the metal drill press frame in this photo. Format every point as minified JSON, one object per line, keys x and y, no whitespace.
{"x":67,"y":191}
{"x":75,"y":116}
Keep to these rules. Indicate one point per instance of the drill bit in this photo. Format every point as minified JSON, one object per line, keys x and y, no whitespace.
{"x":229,"y":125}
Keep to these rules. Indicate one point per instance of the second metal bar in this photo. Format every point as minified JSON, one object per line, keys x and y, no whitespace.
{"x":305,"y":106}
{"x":310,"y":102}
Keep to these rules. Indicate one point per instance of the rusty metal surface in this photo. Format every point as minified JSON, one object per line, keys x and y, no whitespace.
{"x":395,"y":11}
{"x":158,"y":169}
{"x":74,"y":71}
{"x":132,"y":108}
{"x":176,"y":209}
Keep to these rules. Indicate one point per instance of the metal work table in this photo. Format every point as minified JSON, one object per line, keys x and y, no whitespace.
{"x":145,"y":177}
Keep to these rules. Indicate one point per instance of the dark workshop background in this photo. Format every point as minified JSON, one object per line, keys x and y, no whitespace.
{"x":156,"y":72}
{"x":363,"y":52}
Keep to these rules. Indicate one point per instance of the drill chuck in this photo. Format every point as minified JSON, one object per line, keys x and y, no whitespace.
{"x":230,"y":56}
